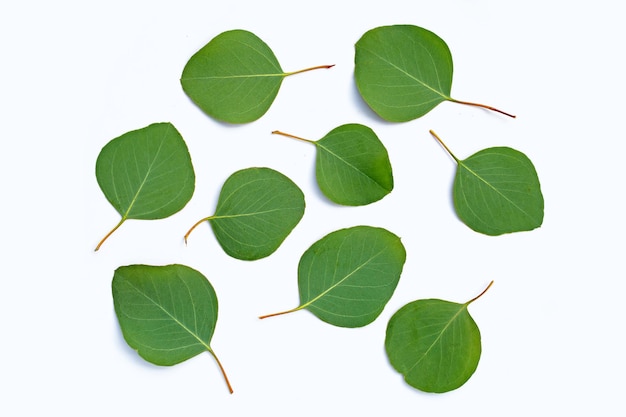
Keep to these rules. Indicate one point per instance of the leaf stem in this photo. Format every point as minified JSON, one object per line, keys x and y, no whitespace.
{"x":444,"y":146}
{"x":230,"y":388}
{"x":480,"y":295}
{"x":309,"y":69}
{"x":196,"y":225}
{"x":278,"y":132}
{"x":281,"y":313}
{"x":483,"y":106}
{"x":110,"y":233}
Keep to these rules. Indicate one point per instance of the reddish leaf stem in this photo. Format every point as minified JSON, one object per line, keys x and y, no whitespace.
{"x":483,"y":106}
{"x":481,"y":294}
{"x":230,"y":388}
{"x":309,"y":69}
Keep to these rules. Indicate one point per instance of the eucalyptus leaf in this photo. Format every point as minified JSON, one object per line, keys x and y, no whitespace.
{"x":497,"y":191}
{"x":146,"y":173}
{"x":235,"y":77}
{"x":256,"y":210}
{"x":352,"y":165}
{"x":434,"y":344}
{"x":404,"y":71}
{"x":166,"y":313}
{"x":347,"y":277}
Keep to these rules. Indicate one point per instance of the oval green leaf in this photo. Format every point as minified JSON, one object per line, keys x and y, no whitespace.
{"x":497,"y":191}
{"x":146,"y":174}
{"x":352,"y":165}
{"x":434,"y":344}
{"x":256,"y":210}
{"x":235,"y":77}
{"x":404,"y":71}
{"x":166,"y":313}
{"x":347,"y":277}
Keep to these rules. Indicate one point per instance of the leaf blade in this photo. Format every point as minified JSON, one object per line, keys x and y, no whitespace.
{"x":402,"y":71}
{"x":497,"y":191}
{"x":166,"y":313}
{"x":234,"y":78}
{"x":256,"y":210}
{"x":434,"y":344}
{"x":352,"y":166}
{"x":146,"y":174}
{"x":347,"y":277}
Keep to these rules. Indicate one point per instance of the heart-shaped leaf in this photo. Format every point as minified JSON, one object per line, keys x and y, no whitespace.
{"x":352,"y":165}
{"x":434,"y":344}
{"x":146,"y":174}
{"x":235,"y":77}
{"x":166,"y":313}
{"x":256,"y":210}
{"x":404,"y":71}
{"x":347,"y":277}
{"x":497,"y":191}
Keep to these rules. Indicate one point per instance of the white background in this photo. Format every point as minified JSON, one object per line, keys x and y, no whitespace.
{"x":74,"y":76}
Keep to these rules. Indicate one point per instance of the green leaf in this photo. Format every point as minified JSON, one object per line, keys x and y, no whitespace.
{"x":166,"y":313}
{"x":434,"y":344}
{"x":497,"y":191}
{"x":404,"y":71}
{"x":146,"y":174}
{"x":352,"y":165}
{"x":347,"y":277}
{"x":256,"y":210}
{"x":235,"y":77}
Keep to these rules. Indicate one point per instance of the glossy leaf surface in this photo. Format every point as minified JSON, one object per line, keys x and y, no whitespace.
{"x":166,"y":313}
{"x":404,"y":71}
{"x":352,"y":165}
{"x":434,"y":344}
{"x":147,"y":173}
{"x":347,"y":277}
{"x":256,"y":210}
{"x":234,"y":78}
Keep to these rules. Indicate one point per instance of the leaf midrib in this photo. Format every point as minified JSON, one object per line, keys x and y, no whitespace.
{"x":488,"y":184}
{"x":227,"y":77}
{"x":410,"y":76}
{"x":342,"y":280}
{"x":439,"y":336}
{"x":174,"y":319}
{"x":350,"y":165}
{"x":146,"y":176}
{"x":256,"y":213}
